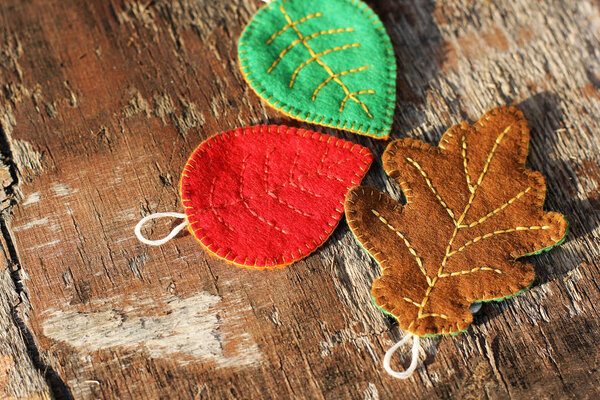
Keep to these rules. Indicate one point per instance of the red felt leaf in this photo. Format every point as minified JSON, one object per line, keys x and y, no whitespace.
{"x":267,"y":196}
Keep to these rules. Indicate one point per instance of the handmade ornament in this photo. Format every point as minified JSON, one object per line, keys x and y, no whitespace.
{"x":472,"y":210}
{"x":266,"y":196}
{"x":328,"y":62}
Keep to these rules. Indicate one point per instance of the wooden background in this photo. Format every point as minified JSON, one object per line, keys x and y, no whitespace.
{"x":101,"y":101}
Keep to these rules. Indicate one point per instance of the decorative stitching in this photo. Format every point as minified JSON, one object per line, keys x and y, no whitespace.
{"x":491,"y":155}
{"x":245,"y":203}
{"x":406,"y":242}
{"x":356,"y":94}
{"x":471,"y":271}
{"x":294,"y":163}
{"x":428,"y":181}
{"x":497,"y":210}
{"x":266,"y":175}
{"x":275,"y":197}
{"x":444,"y":316}
{"x":332,"y":75}
{"x":322,"y":162}
{"x":288,"y":205}
{"x":289,"y":183}
{"x":499,"y":232}
{"x":465,"y":163}
{"x":303,"y":40}
{"x":305,"y":63}
{"x":411,"y":301}
{"x":210,"y":202}
{"x":335,"y":78}
{"x":462,"y":217}
{"x":391,"y":72}
{"x":285,"y":28}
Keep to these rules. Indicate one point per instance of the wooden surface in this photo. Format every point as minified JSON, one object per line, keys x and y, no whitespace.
{"x":101,"y":102}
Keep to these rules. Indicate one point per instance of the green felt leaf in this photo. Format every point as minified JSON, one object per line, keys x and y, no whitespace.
{"x":329,"y":62}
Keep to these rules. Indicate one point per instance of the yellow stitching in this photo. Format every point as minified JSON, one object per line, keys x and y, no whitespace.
{"x":444,"y":316}
{"x":335,"y":78}
{"x":497,"y":210}
{"x":462,"y":217}
{"x":471,"y":271}
{"x":408,"y":299}
{"x":406,"y":242}
{"x":305,"y":63}
{"x":491,"y":234}
{"x":303,"y":40}
{"x":356,"y":94}
{"x":492,"y":153}
{"x":428,"y":181}
{"x":465,"y":162}
{"x":285,"y":28}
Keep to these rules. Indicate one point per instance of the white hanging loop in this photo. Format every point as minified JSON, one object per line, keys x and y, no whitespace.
{"x":413,"y":363}
{"x":174,"y":232}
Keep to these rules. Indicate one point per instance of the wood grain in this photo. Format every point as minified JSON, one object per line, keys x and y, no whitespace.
{"x":102,"y":102}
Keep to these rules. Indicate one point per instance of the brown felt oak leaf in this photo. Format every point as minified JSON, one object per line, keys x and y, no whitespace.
{"x":472,"y":210}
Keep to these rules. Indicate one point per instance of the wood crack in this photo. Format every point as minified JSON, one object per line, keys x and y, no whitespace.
{"x":57,"y":386}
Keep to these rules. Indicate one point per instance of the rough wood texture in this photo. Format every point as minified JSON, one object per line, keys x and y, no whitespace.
{"x":101,"y":103}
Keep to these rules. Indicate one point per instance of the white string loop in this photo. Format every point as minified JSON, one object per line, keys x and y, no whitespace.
{"x":174,"y":232}
{"x":413,"y":363}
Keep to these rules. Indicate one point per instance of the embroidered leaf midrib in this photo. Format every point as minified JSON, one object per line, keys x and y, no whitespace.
{"x":290,"y":182}
{"x":457,"y":228}
{"x":244,"y":201}
{"x":314,"y":57}
{"x":285,"y":28}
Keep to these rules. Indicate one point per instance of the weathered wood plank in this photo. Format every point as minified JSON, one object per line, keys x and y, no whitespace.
{"x":22,"y":374}
{"x":19,"y":377}
{"x":106,"y":99}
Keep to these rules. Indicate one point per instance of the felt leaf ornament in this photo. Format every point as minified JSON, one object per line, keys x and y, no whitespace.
{"x":267,"y":196}
{"x":472,"y":210}
{"x":329,"y":62}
